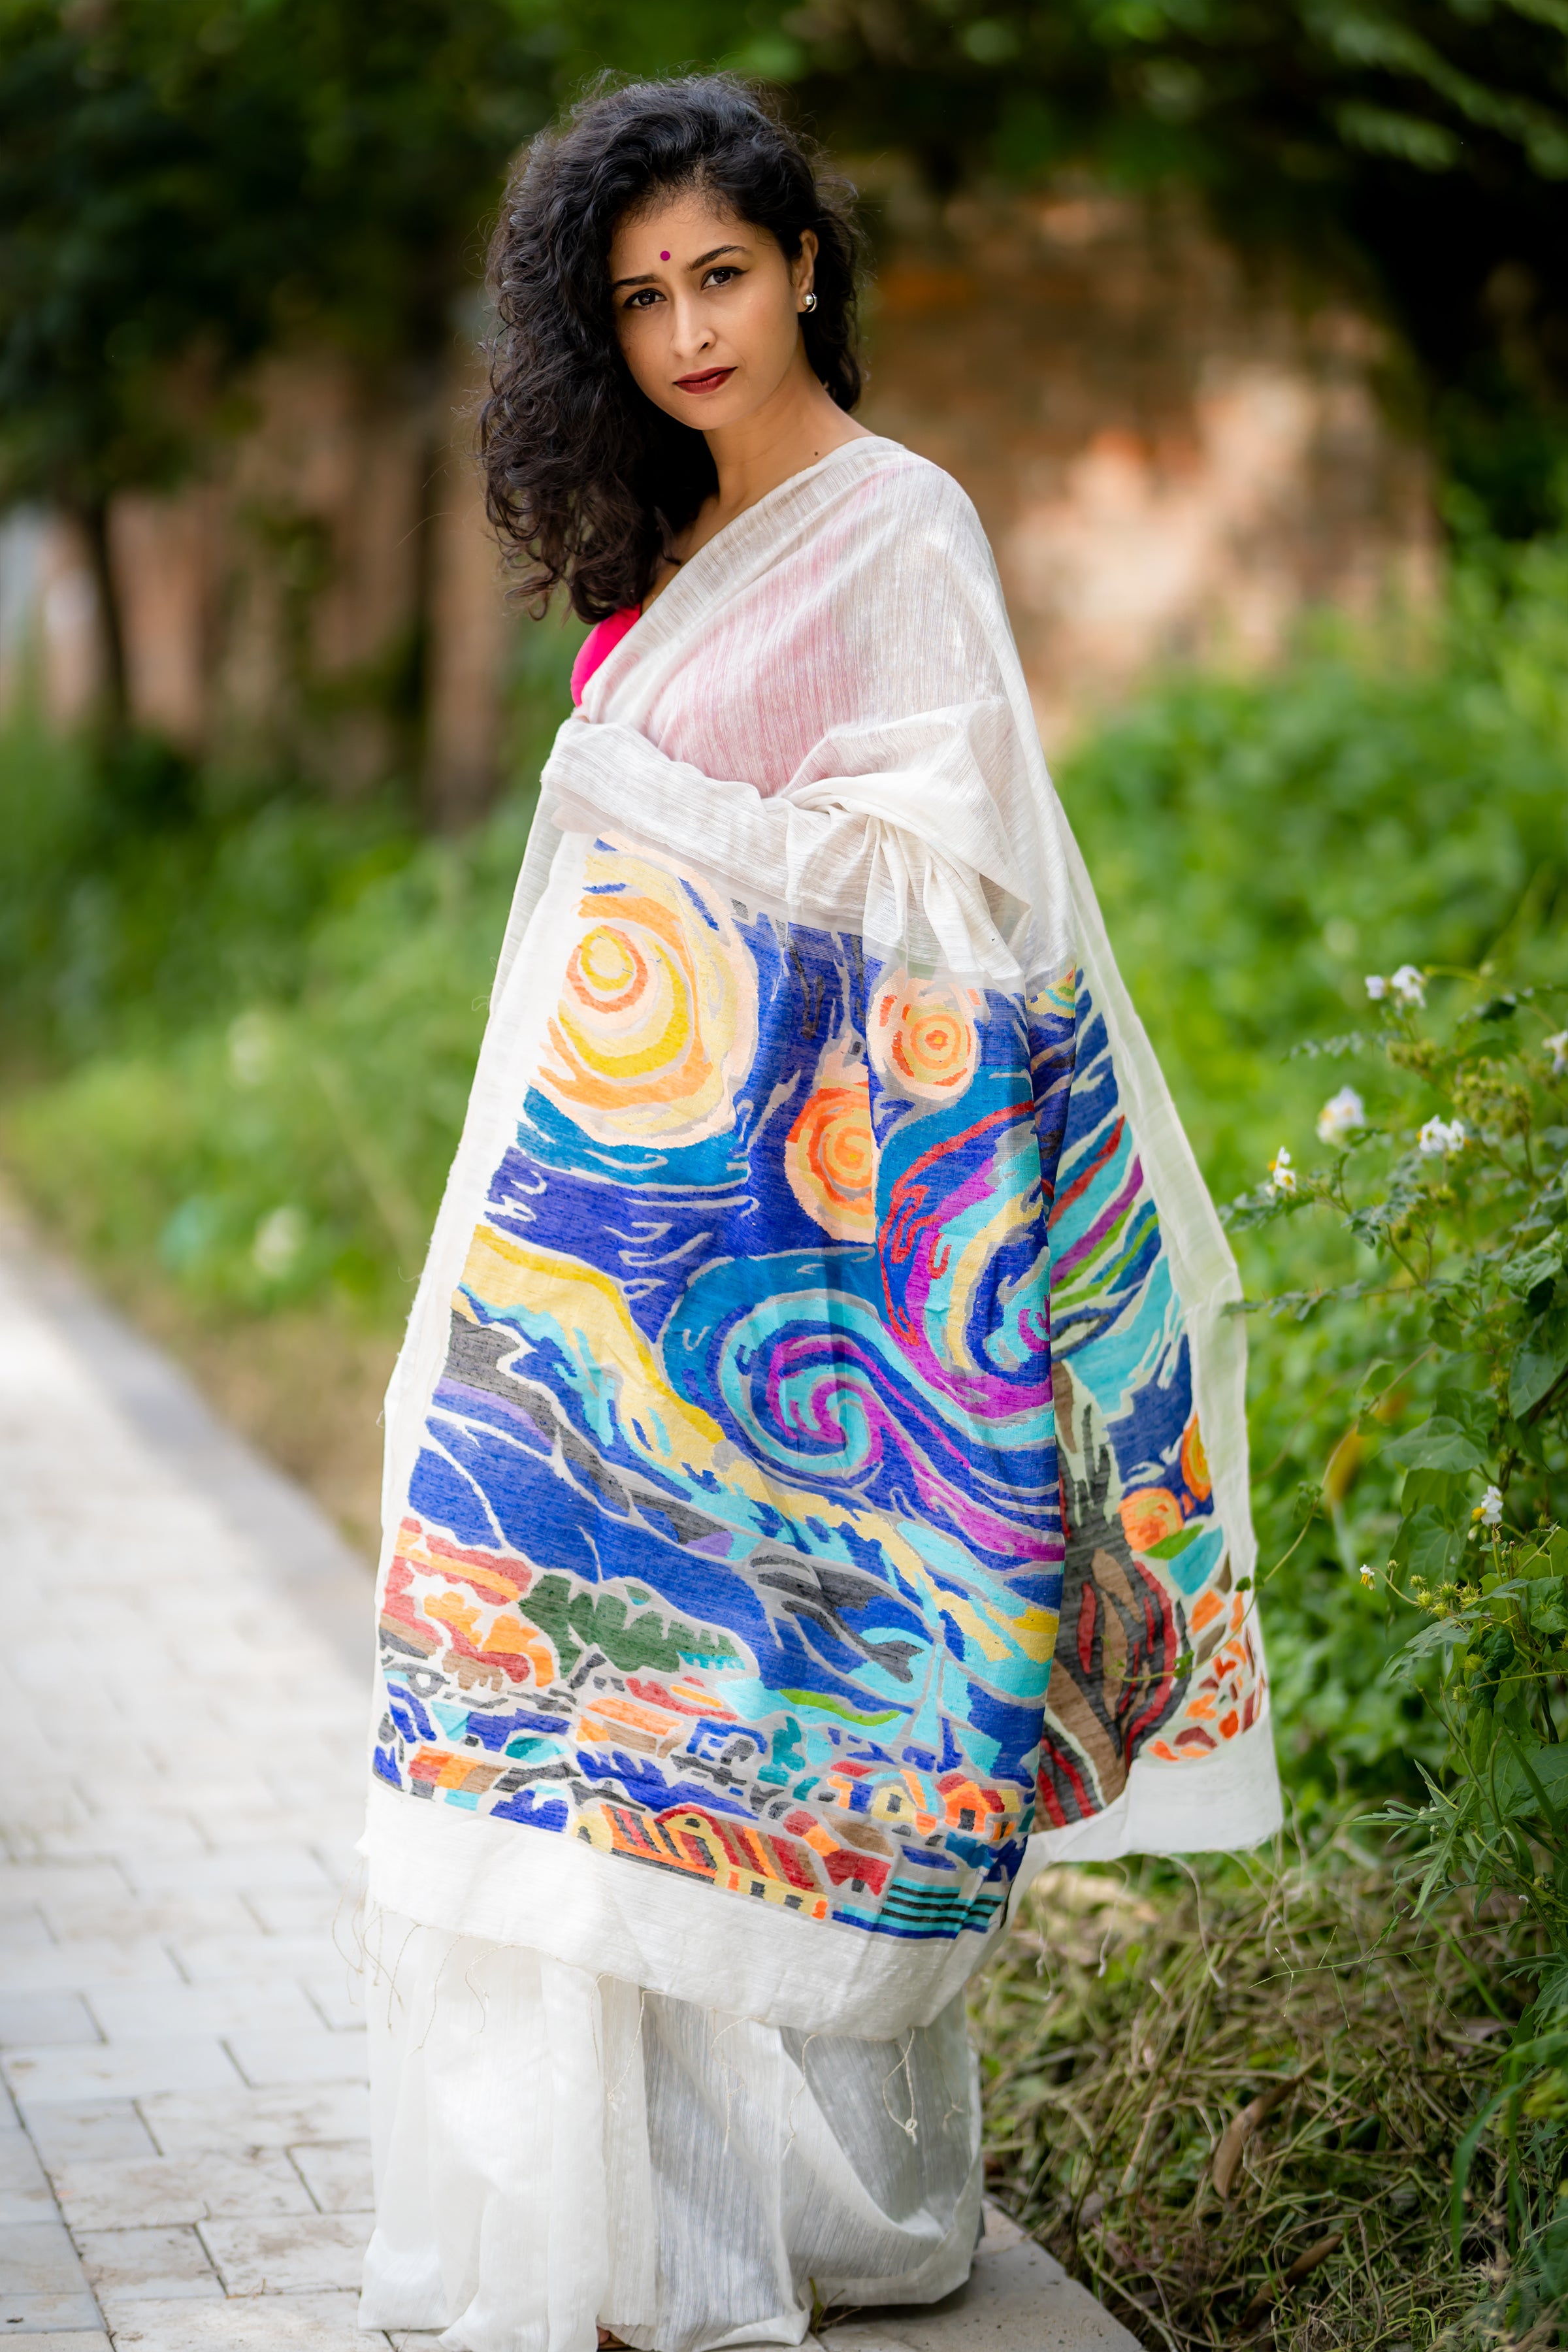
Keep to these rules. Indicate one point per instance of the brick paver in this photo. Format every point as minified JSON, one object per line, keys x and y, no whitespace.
{"x":185,"y":2163}
{"x":183,"y":2160}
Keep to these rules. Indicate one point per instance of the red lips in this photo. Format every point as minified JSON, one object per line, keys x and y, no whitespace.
{"x":708,"y":381}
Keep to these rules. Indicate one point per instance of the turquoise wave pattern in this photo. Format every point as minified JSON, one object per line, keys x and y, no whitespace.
{"x":816,"y":1318}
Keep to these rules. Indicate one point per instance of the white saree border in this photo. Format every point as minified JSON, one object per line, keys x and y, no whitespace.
{"x":670,"y":1935}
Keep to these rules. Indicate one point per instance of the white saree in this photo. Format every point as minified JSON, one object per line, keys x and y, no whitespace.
{"x":825,"y":1309}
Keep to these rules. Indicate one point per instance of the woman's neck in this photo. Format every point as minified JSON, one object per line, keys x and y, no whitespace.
{"x":797,"y":425}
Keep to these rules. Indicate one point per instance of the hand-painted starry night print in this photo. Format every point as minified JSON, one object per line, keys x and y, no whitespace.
{"x":818,"y":1314}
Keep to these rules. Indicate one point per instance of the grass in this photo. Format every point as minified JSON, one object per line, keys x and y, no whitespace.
{"x":1138,"y":2015}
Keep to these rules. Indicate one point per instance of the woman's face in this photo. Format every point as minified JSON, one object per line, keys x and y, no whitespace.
{"x":706,"y":308}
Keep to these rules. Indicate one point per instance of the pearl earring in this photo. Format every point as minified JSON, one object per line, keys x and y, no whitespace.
{"x":809,"y":303}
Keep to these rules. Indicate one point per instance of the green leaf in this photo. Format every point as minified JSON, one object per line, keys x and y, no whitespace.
{"x":1534,"y":1269}
{"x":1541,"y":1362}
{"x":1536,"y":1567}
{"x":1441,"y":1489}
{"x":1439,"y":1443}
{"x":1472,"y":1407}
{"x":1447,"y":1325}
{"x":1526,"y":1439}
{"x":1532,"y":1779}
{"x":1426,"y":1546}
{"x":1438,"y":1640}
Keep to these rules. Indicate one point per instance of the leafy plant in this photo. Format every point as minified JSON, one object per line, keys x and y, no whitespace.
{"x":1449,"y":1180}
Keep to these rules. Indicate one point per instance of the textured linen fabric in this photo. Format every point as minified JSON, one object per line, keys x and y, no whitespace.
{"x":552,"y":2150}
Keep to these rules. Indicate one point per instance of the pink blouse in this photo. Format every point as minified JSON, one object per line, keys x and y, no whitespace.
{"x":598,"y":645}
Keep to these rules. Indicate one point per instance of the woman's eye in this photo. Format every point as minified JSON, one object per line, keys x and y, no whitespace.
{"x":643,"y":298}
{"x":721,"y":276}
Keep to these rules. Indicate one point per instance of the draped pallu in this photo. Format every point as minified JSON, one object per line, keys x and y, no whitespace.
{"x":817,"y":1470}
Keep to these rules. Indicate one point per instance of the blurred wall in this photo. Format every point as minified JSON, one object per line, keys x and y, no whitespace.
{"x":1173,"y":458}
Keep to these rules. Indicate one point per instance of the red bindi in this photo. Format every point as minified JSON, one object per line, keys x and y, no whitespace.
{"x":664,"y":256}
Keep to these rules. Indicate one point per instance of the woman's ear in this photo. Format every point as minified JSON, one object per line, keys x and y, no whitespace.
{"x":803,"y":268}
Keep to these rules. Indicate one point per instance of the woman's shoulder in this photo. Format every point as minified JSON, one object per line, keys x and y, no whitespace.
{"x":913,"y":495}
{"x":911,"y":564}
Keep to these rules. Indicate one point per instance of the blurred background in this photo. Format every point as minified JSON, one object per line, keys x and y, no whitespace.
{"x":1245,"y":322}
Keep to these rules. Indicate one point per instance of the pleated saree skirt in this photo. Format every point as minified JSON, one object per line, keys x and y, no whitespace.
{"x":556,"y":2152}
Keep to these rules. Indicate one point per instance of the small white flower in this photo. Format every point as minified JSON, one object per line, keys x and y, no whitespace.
{"x":1557,"y":1048}
{"x":280,"y":1238}
{"x":1340,"y":1116}
{"x":1440,"y":1138}
{"x":1376,"y":987}
{"x":1488,"y":1510}
{"x":1408,"y":985}
{"x":1282,"y":1175}
{"x":1366,"y":1575}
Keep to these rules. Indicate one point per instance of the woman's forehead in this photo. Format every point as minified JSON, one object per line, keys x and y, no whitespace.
{"x":680,"y":225}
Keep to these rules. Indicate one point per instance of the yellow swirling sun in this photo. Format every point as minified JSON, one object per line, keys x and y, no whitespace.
{"x":657,"y":1019}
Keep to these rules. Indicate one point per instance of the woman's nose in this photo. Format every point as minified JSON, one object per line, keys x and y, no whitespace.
{"x":691,"y":332}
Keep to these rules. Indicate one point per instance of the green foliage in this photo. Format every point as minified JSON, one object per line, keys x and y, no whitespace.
{"x":184,"y":183}
{"x":1308,"y":89}
{"x":1414,"y":149}
{"x":133,"y":890}
{"x":1259,"y":844}
{"x":187,"y":182}
{"x":294,"y":1148}
{"x":1258,"y":847}
{"x":1450,"y":1184}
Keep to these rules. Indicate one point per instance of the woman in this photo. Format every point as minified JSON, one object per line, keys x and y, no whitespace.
{"x":824,"y":1301}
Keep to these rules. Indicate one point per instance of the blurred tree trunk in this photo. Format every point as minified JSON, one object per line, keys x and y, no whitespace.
{"x":466,"y":625}
{"x":93,"y":518}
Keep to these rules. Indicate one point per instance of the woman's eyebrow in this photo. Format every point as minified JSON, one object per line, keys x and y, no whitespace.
{"x":701,"y":263}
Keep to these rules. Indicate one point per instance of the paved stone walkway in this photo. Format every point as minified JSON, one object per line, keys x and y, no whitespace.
{"x":184,"y":1669}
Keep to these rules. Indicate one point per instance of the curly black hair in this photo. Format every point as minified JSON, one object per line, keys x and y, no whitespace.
{"x":586,"y":481}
